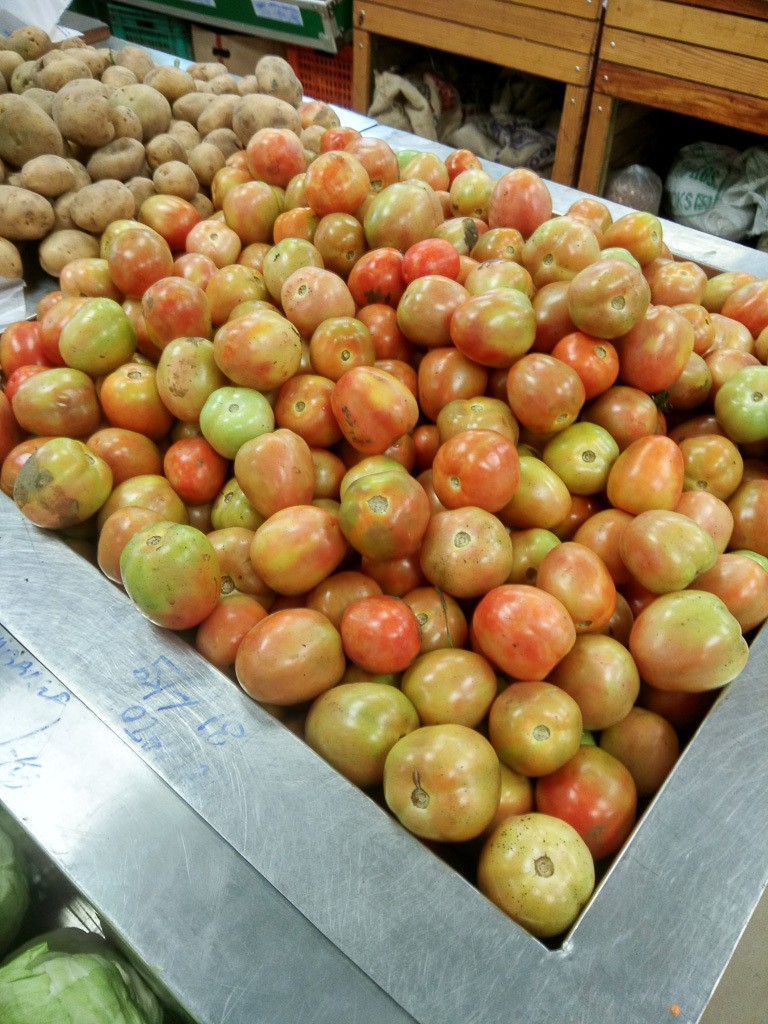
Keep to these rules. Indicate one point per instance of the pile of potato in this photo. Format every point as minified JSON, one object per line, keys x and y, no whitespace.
{"x":86,"y":134}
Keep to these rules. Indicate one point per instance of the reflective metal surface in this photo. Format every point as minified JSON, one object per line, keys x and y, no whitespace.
{"x":175,"y":750}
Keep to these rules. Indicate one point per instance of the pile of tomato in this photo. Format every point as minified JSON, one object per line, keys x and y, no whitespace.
{"x":471,"y":494}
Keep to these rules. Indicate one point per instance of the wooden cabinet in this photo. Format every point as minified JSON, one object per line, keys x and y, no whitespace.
{"x":706,"y":59}
{"x":553,"y":39}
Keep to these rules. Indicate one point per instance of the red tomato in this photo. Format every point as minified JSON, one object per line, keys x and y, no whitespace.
{"x":116,"y":531}
{"x":336,"y":182}
{"x":20,"y":345}
{"x":195,"y":470}
{"x":377,"y":277}
{"x":430,"y":256}
{"x":174,"y":307}
{"x":126,"y":452}
{"x":275,"y":155}
{"x":523,"y":630}
{"x":579,"y":579}
{"x":520,"y":199}
{"x":373,"y":408}
{"x":130,"y":398}
{"x":170,"y":216}
{"x":594,"y":359}
{"x":595,"y":793}
{"x":380,"y":633}
{"x":476,"y":467}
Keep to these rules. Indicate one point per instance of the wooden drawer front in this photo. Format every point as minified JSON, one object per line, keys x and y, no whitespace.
{"x":707,"y":67}
{"x":710,"y":30}
{"x":552,"y":45}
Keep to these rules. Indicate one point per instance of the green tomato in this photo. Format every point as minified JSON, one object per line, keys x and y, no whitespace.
{"x":98,"y":338}
{"x":233,"y":415}
{"x":741,"y":405}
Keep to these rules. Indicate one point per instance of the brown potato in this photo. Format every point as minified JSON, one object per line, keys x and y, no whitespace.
{"x":205,"y":159}
{"x":218,"y":113}
{"x":29,"y":41}
{"x":204,"y":71}
{"x":10,"y":260}
{"x":61,"y":247}
{"x":26,"y":131}
{"x":257,"y":111}
{"x":119,"y":160}
{"x":117,"y":75}
{"x":97,"y":60}
{"x":247,"y":85}
{"x":48,"y":175}
{"x":21,"y":76}
{"x":97,"y":205}
{"x":81,"y":111}
{"x":176,"y":178}
{"x":141,"y":188}
{"x":53,"y":74}
{"x":223,"y":84}
{"x":225,"y":140}
{"x":82,"y":177}
{"x":203,"y":205}
{"x":162,"y":148}
{"x":126,"y":123}
{"x":42,"y":97}
{"x":24,"y":215}
{"x":136,"y":58}
{"x":9,"y":61}
{"x":62,"y":210}
{"x":190,"y":107}
{"x":152,"y":108}
{"x":186,"y":134}
{"x":172,"y":82}
{"x":277,"y":78}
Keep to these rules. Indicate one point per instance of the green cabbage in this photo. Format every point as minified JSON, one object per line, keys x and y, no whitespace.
{"x":72,"y":977}
{"x":14,"y":891}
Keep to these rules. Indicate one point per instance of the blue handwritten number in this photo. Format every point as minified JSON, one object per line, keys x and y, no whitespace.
{"x":224,"y":732}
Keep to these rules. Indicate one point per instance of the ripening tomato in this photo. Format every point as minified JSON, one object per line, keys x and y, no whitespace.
{"x":578,"y":578}
{"x":626,"y":413}
{"x":655,"y":350}
{"x":218,"y":636}
{"x":665,"y":550}
{"x":354,"y":726}
{"x":384,"y":515}
{"x":600,"y":674}
{"x":11,"y":433}
{"x":582,"y":456}
{"x":297,"y":547}
{"x":57,"y":401}
{"x":466,"y":552}
{"x":742,"y":584}
{"x":426,"y":307}
{"x":443,"y":782}
{"x":130,"y":398}
{"x":639,"y":232}
{"x":523,"y":630}
{"x":171,"y":573}
{"x":373,"y":408}
{"x":195,"y":469}
{"x":607,"y":298}
{"x":170,"y":216}
{"x":380,"y":633}
{"x":647,"y":744}
{"x":126,"y":452}
{"x":476,"y":467}
{"x":402,"y":214}
{"x":312,"y":294}
{"x":544,"y":393}
{"x":534,"y":727}
{"x":648,"y":474}
{"x":116,"y":531}
{"x":61,"y":484}
{"x":595,"y":793}
{"x":495,"y":327}
{"x":687,"y":640}
{"x":336,"y":182}
{"x":290,"y":656}
{"x":138,"y":257}
{"x":538,"y":870}
{"x":519,"y":199}
{"x":540,"y":500}
{"x":148,"y":490}
{"x":594,"y":359}
{"x":450,"y":686}
{"x":442,"y":622}
{"x":187,"y":374}
{"x":558,"y":249}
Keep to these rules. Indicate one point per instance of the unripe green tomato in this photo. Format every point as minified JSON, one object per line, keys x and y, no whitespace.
{"x":171,"y":573}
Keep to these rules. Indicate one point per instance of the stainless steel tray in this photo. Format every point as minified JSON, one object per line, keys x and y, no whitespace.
{"x":260,"y":886}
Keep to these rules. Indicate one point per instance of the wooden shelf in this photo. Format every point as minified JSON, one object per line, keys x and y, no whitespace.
{"x":553,"y":39}
{"x":705,"y":59}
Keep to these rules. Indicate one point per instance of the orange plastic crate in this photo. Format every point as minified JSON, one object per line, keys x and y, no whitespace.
{"x":325,"y":76}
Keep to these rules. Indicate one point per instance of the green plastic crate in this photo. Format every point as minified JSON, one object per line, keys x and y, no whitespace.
{"x":151,"y":29}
